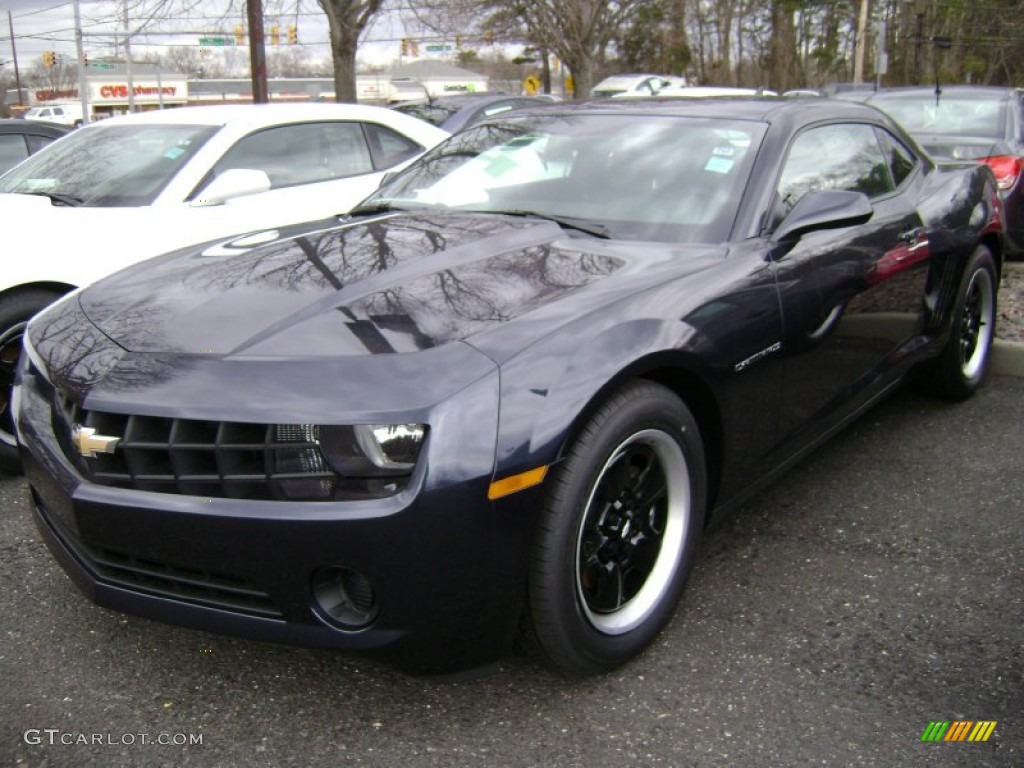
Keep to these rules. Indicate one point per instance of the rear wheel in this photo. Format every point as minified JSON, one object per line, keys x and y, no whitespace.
{"x":15,"y":312}
{"x":619,"y":533}
{"x":961,"y":367}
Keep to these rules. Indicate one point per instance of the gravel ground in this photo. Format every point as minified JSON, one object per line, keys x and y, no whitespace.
{"x":1011,"y":303}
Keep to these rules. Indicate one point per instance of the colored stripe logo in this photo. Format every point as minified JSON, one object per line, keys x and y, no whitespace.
{"x":958,"y":730}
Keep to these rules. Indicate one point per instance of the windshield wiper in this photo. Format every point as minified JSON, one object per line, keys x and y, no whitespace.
{"x":571,"y":222}
{"x":379,"y":206}
{"x":58,"y":198}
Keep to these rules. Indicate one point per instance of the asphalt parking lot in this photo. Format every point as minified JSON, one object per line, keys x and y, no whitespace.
{"x":874,"y":589}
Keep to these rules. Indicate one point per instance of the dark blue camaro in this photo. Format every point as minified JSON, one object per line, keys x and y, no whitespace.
{"x":505,"y":395}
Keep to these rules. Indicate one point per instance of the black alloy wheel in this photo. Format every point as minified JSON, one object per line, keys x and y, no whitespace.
{"x":624,"y":514}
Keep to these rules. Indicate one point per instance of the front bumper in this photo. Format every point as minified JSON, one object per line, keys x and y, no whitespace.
{"x":445,"y":564}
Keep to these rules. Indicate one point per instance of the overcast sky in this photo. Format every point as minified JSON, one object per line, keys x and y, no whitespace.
{"x":41,"y":25}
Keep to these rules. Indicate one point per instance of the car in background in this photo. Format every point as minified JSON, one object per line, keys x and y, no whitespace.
{"x":21,"y":138}
{"x":507,"y":392}
{"x":643,"y":85}
{"x":63,"y":114}
{"x":458,"y":111}
{"x":128,"y":188}
{"x":699,"y":92}
{"x":968,"y":122}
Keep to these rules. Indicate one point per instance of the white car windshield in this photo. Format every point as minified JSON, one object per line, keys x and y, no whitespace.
{"x":125,"y":165}
{"x":653,"y":178}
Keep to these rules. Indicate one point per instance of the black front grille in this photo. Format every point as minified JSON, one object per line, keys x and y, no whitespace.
{"x":201,"y":458}
{"x":215,"y":590}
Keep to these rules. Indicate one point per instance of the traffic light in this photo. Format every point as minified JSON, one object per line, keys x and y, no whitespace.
{"x":239,"y":34}
{"x":405,"y":46}
{"x":85,"y":59}
{"x":49,"y":58}
{"x":489,"y":36}
{"x":293,"y":34}
{"x":275,"y":34}
{"x":415,"y":45}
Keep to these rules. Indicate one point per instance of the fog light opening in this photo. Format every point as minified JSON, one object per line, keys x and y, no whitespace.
{"x":345,"y":597}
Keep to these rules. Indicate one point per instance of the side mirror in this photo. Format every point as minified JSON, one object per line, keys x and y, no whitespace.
{"x":236,"y":182}
{"x":823,"y":209}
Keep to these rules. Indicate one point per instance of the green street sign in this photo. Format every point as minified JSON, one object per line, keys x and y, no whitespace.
{"x":438,"y":48}
{"x":101,"y":65}
{"x":214,"y":41}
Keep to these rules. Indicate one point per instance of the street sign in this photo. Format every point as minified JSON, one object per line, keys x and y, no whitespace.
{"x":438,"y":48}
{"x":101,"y":65}
{"x":215,"y":41}
{"x":531,"y":84}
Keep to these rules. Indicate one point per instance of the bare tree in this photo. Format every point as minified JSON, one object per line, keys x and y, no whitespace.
{"x":346,"y":20}
{"x":579,"y":32}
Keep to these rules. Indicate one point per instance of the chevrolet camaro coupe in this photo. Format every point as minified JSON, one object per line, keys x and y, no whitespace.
{"x":503,"y":396}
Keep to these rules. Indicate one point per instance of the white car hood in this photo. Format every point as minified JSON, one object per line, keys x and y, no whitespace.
{"x":58,"y":243}
{"x":62,"y":244}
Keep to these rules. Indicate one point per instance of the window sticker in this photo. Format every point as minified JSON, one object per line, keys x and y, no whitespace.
{"x":718,"y":165}
{"x":726,"y":151}
{"x":174,"y":153}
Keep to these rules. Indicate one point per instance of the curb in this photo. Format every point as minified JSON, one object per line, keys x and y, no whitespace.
{"x":1007,"y":358}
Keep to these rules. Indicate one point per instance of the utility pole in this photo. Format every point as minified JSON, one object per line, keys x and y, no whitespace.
{"x":861,"y":48}
{"x":14,"y":54}
{"x":257,"y":52}
{"x":83,"y":92}
{"x":919,"y":9}
{"x":128,"y":60}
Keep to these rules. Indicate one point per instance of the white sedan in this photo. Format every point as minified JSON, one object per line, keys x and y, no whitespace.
{"x":130,"y":188}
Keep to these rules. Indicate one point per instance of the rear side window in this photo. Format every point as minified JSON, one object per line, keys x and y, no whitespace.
{"x":902,"y":161}
{"x":12,"y":150}
{"x":389,"y":148}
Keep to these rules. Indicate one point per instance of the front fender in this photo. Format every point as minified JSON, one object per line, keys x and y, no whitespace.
{"x":548,"y":388}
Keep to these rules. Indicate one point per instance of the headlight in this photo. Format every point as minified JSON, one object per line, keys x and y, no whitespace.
{"x":373,"y":450}
{"x":315,"y":461}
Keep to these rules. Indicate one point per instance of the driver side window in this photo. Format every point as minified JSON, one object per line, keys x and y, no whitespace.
{"x":842,"y":156}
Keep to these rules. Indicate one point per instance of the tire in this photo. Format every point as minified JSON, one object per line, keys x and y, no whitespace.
{"x":15,"y":312}
{"x":604,"y":577}
{"x":962,"y":365}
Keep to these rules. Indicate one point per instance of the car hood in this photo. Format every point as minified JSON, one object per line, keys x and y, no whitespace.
{"x":77,"y":245}
{"x":394,"y":284}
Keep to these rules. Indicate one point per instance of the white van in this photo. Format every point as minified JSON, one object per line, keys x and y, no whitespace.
{"x":65,"y":114}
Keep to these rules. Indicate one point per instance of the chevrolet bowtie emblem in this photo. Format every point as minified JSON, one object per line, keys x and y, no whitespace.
{"x":89,"y":443}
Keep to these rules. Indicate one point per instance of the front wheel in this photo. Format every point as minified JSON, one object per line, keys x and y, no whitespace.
{"x":963,"y":363}
{"x":619,"y":533}
{"x":15,"y":312}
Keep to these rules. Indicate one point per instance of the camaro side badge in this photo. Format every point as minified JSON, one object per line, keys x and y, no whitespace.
{"x":744,"y":364}
{"x":89,"y":443}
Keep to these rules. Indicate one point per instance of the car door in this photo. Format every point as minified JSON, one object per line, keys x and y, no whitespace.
{"x":852,"y":297}
{"x":316,"y":170}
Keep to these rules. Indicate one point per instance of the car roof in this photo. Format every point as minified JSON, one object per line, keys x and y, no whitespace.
{"x":742,"y":108}
{"x":992,"y":91}
{"x":250,"y":115}
{"x":461,"y":99}
{"x":18,"y":125}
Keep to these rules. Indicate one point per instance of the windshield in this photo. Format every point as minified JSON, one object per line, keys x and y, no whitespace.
{"x":975,"y":115}
{"x":435,"y":113}
{"x":108,"y":165}
{"x":659,"y":178}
